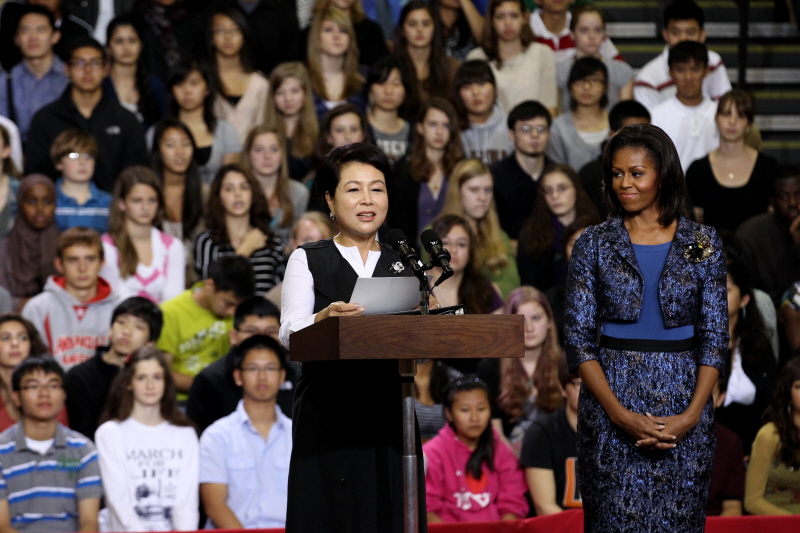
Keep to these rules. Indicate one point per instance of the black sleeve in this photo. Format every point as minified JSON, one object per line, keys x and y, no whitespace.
{"x":204,"y":406}
{"x":37,"y":149}
{"x":537,"y":448}
{"x":83,"y":411}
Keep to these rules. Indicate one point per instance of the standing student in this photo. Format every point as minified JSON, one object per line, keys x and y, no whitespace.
{"x":73,"y":312}
{"x":419,"y":184}
{"x":136,"y":322}
{"x":524,"y":69}
{"x":419,"y":46}
{"x":238,"y":222}
{"x":290,"y":108}
{"x":128,"y":81}
{"x":386,"y":91}
{"x":242,"y":90}
{"x":244,"y":456}
{"x":517,"y":176}
{"x":333,"y":62}
{"x":29,"y":252}
{"x":577,"y":134}
{"x":471,"y":474}
{"x":35,"y":495}
{"x":264,"y":156}
{"x":192,"y":95}
{"x":646,"y":438}
{"x":588,"y":28}
{"x":144,"y":491}
{"x":484,"y":134}
{"x":141,"y":260}
{"x":79,"y":202}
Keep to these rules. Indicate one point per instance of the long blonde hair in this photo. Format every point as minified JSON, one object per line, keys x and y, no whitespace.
{"x":489,"y":247}
{"x":128,"y":178}
{"x":352,"y":79}
{"x":307,"y":130}
{"x":282,"y":186}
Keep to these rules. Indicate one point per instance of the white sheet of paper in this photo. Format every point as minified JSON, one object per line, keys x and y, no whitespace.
{"x":386,"y":295}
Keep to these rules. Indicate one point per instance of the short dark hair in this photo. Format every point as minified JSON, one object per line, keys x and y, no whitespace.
{"x":28,"y":9}
{"x":785,"y":172}
{"x":48,"y":365}
{"x":255,"y":306}
{"x":528,"y":110}
{"x":381,"y":70}
{"x":473,"y":71}
{"x":684,"y":10}
{"x":259,"y":342}
{"x":688,"y":52}
{"x":626,"y":109}
{"x":88,"y":42}
{"x":582,"y":69}
{"x":330,"y":170}
{"x":233,"y":273}
{"x":178,"y":75}
{"x":143,"y":309}
{"x":662,"y":153}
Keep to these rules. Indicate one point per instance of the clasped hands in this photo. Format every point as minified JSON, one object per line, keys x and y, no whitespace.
{"x":353,"y":309}
{"x":654,"y":432}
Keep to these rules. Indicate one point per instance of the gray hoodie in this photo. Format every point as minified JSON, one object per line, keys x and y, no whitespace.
{"x":488,"y":142}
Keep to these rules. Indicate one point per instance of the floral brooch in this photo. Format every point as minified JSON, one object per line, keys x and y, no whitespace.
{"x":699,"y":250}
{"x":397,"y":267}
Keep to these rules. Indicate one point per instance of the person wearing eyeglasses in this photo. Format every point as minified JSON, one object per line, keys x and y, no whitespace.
{"x":86,"y":106}
{"x":39,"y":496}
{"x":244,"y":457}
{"x":516,"y":177}
{"x":79,"y":202}
{"x":578,"y":134}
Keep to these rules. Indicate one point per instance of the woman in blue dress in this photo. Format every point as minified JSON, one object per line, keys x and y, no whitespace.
{"x":654,"y":282}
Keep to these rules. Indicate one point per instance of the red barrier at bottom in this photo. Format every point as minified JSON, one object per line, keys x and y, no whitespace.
{"x":572,"y":522}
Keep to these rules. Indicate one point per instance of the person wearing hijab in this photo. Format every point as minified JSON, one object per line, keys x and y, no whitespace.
{"x":27,"y":255}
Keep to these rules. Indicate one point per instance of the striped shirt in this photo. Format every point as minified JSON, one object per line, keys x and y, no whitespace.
{"x":43,"y":490}
{"x":92,"y":214}
{"x":269,"y":263}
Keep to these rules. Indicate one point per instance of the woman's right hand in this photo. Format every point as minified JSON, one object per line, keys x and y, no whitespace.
{"x":339,"y":309}
{"x":647,"y":432}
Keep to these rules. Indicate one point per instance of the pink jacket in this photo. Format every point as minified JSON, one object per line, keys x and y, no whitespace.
{"x":455,"y":496}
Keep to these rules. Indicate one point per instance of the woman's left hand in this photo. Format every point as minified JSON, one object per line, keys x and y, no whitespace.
{"x":676,"y":426}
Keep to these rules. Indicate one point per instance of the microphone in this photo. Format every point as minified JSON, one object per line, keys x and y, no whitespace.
{"x":409,"y":256}
{"x":439,"y":255}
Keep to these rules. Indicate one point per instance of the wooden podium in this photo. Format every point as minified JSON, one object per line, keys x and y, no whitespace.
{"x":408,"y":338}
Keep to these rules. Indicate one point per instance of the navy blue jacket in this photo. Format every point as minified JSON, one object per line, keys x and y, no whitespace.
{"x":605,"y":284}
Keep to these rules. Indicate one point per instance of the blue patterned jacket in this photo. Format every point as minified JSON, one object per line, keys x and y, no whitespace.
{"x":605,"y":284}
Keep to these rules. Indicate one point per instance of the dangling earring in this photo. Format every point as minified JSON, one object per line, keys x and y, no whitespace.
{"x":744,"y":312}
{"x":333,"y":217}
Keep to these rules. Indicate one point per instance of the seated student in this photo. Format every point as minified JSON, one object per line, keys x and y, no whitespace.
{"x":683,"y":21}
{"x":78,"y":200}
{"x":726,"y":491}
{"x":18,"y":340}
{"x":74,"y":311}
{"x":471,"y":475}
{"x":35,"y":496}
{"x":462,"y":26}
{"x":142,"y":260}
{"x":244,"y":457}
{"x":484,"y":134}
{"x":517,"y":176}
{"x":197,"y":321}
{"x":550,"y":452}
{"x":9,"y":183}
{"x":386,"y":91}
{"x":214,"y":392}
{"x":688,"y":117}
{"x":136,"y":322}
{"x":591,"y":174}
{"x":577,"y":134}
{"x":524,"y":69}
{"x":142,"y":416}
{"x":27,"y":255}
{"x":551,"y":26}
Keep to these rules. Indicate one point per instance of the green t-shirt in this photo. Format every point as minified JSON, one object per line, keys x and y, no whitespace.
{"x":194,"y":336}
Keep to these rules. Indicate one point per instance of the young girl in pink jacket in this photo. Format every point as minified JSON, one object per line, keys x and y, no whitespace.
{"x":471,"y":476}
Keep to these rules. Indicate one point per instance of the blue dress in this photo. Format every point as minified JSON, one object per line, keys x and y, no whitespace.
{"x":647,"y":293}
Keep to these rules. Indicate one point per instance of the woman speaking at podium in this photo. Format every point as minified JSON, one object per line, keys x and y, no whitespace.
{"x":346,"y":469}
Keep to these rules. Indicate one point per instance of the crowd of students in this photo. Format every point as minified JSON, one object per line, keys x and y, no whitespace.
{"x":169,"y":150}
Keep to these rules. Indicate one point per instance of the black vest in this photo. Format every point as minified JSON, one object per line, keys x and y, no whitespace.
{"x":335,"y":279}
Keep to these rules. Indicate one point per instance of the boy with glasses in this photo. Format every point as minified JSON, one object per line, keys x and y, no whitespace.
{"x":50,"y":478}
{"x":78,"y":201}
